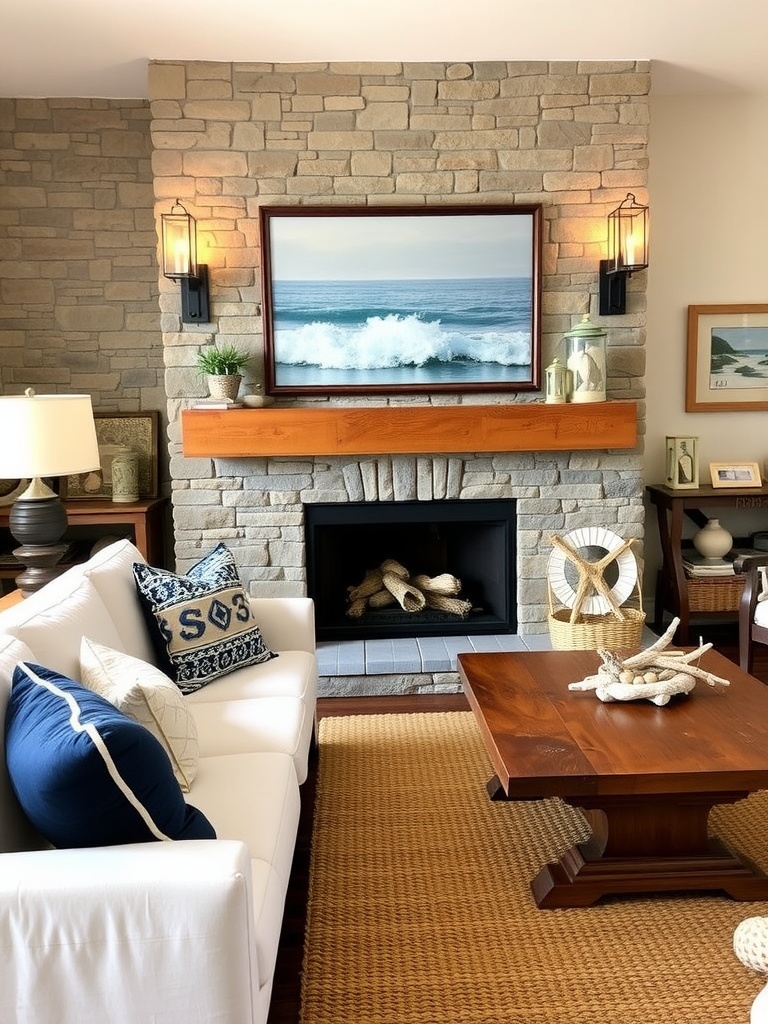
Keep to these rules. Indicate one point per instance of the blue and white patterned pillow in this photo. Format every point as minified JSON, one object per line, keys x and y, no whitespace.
{"x":203,"y":620}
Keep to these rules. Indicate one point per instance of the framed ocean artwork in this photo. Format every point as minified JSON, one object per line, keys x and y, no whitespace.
{"x":727,"y":358}
{"x":377,"y":300}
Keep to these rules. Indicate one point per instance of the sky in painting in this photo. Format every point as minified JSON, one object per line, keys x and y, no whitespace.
{"x":744,"y":339}
{"x":400,"y":247}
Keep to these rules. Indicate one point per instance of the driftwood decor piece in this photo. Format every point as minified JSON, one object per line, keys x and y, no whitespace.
{"x":654,"y":674}
{"x":393,"y":584}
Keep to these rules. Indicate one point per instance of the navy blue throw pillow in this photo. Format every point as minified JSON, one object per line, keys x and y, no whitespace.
{"x":87,"y":775}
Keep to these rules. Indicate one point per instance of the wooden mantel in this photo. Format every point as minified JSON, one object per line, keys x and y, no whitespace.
{"x":407,"y":429}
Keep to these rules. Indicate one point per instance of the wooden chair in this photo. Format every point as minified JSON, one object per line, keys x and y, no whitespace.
{"x":753,"y":614}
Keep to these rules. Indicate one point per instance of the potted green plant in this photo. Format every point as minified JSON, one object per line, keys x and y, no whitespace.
{"x":222,"y":368}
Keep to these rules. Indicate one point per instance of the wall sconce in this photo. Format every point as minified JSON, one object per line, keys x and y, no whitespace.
{"x":627,"y":252}
{"x":180,"y":264}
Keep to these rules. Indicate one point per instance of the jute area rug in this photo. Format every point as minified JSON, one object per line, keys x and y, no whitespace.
{"x":420,"y":909}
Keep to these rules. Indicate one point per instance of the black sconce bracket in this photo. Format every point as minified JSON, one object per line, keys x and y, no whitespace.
{"x":613,"y":289}
{"x":194,"y":297}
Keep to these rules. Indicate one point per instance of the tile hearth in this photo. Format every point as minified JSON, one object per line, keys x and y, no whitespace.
{"x":410,"y":665}
{"x":413,"y":665}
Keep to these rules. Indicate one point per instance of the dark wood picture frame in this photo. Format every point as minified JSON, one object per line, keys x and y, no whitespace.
{"x":717,"y":380}
{"x":401,"y":299}
{"x":138,"y":431}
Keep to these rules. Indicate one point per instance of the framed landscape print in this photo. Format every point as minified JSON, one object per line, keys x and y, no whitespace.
{"x":376,"y":300}
{"x":727,"y":360}
{"x":115,"y":432}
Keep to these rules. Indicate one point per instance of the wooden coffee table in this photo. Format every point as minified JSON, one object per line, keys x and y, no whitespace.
{"x":646,"y":777}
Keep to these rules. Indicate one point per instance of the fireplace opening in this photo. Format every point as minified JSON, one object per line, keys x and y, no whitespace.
{"x":472,"y":540}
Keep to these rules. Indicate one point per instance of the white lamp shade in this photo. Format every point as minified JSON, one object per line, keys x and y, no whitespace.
{"x":47,"y":435}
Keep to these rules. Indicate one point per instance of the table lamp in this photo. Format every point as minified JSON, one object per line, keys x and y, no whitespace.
{"x":43,"y":436}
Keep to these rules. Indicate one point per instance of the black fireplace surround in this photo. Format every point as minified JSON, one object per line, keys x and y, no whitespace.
{"x":473,"y":540}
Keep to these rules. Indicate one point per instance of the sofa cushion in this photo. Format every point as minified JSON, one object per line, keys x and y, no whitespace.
{"x":149,"y":697}
{"x":281,"y":724}
{"x":202,"y":620}
{"x":110,"y":570}
{"x":52,"y":620}
{"x":86,"y":774}
{"x":265,"y":784}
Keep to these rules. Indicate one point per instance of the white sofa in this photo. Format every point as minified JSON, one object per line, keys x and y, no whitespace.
{"x":179,"y":932}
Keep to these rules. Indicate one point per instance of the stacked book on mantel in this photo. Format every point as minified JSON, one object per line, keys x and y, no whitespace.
{"x":217,"y":403}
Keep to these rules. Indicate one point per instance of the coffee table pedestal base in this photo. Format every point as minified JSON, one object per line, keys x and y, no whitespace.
{"x":576,"y":881}
{"x":645,"y":843}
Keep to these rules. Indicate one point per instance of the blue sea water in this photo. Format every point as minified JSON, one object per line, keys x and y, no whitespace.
{"x":469,"y":330}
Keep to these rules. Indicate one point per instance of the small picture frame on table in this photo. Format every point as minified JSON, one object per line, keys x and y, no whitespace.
{"x":682,"y":472}
{"x":735,"y":474}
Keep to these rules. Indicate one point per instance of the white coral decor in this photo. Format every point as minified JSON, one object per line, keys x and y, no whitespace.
{"x":655,"y":674}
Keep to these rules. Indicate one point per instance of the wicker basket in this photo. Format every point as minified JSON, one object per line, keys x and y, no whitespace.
{"x":595,"y":631}
{"x":718,"y":595}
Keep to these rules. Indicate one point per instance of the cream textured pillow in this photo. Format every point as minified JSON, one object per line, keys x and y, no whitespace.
{"x":149,"y":697}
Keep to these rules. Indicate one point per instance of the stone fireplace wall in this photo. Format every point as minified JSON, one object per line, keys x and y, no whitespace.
{"x":230,"y":137}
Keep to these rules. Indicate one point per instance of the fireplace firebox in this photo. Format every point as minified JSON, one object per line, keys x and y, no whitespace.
{"x":473,"y":540}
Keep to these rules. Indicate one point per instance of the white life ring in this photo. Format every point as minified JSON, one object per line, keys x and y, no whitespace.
{"x":592,"y":537}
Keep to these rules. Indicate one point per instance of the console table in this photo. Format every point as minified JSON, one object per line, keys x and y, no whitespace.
{"x":673,"y":588}
{"x":146,"y":518}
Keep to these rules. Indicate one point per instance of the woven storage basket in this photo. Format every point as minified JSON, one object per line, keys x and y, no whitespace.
{"x":595,"y":631}
{"x":718,"y":595}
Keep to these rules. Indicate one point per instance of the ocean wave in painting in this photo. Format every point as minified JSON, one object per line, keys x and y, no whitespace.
{"x":393,"y":341}
{"x":380,"y":325}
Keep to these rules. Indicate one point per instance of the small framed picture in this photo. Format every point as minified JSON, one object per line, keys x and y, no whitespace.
{"x":682,"y":463}
{"x":735,"y":474}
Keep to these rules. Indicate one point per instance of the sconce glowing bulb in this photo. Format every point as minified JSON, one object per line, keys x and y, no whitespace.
{"x":629,"y":251}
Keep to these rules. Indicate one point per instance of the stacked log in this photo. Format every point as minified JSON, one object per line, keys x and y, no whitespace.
{"x":391,"y":583}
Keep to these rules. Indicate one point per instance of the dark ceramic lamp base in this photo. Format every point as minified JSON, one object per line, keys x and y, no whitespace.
{"x":38,"y":526}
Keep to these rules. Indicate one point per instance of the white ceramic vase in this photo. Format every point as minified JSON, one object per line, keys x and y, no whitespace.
{"x":713,"y":540}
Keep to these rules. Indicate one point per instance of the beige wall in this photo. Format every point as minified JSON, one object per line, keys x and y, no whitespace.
{"x":708,"y":159}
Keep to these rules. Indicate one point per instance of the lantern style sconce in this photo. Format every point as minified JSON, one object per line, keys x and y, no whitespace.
{"x":180,"y":264}
{"x":627,"y":252}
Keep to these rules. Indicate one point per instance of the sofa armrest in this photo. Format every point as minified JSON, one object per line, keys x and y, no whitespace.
{"x":153,"y":931}
{"x":287,"y":623}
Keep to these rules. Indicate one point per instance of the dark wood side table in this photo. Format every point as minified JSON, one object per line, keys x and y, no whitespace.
{"x":672,"y":590}
{"x":145,"y":517}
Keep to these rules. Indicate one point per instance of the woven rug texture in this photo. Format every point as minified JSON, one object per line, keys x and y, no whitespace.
{"x":420,"y":909}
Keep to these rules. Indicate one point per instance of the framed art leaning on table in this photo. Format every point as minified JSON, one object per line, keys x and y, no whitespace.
{"x":137,"y":431}
{"x":727,"y":359}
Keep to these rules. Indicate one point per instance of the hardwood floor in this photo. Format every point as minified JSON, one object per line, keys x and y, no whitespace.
{"x":286,"y":995}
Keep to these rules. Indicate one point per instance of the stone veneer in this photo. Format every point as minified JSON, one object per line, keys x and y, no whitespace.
{"x":230,"y":137}
{"x":78,"y":270}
